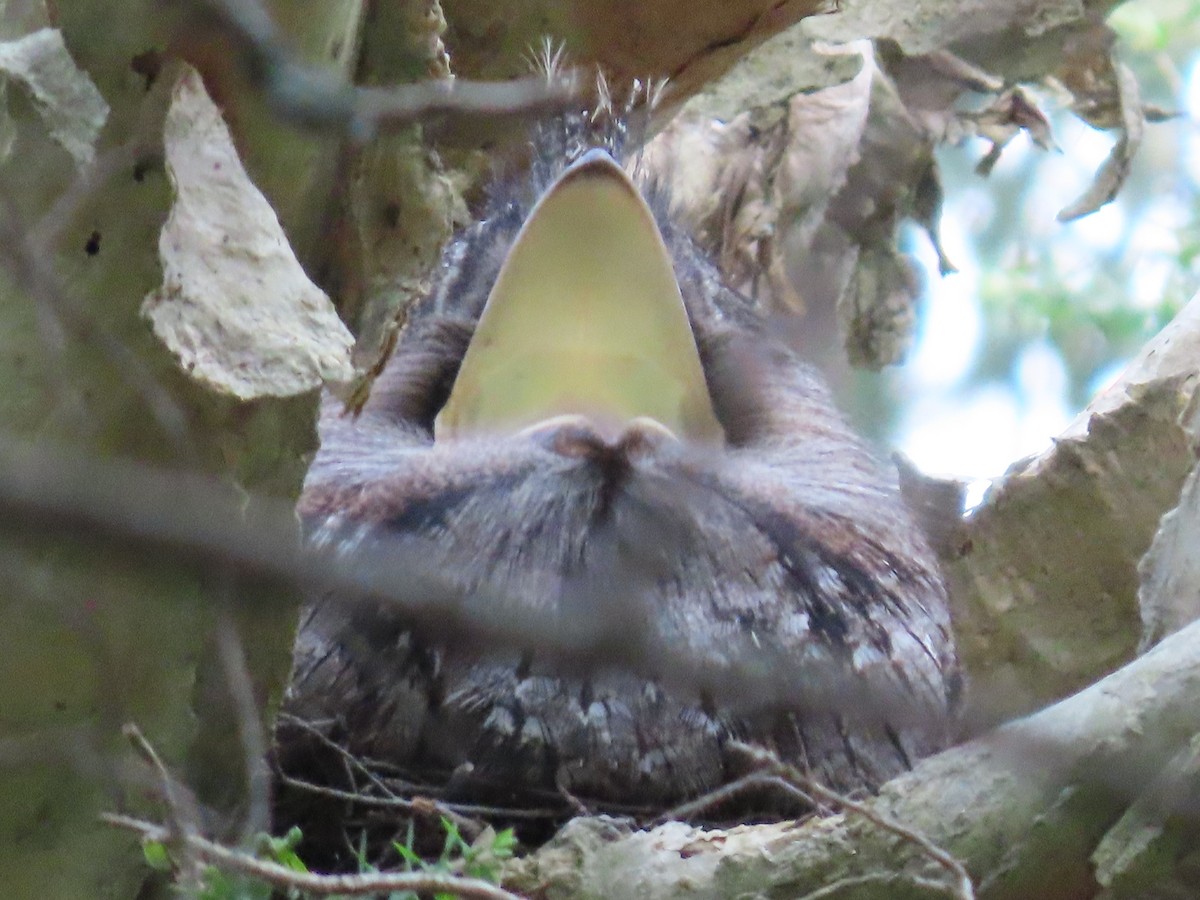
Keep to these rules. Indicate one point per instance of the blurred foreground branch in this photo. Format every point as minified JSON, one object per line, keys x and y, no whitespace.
{"x":199,"y":521}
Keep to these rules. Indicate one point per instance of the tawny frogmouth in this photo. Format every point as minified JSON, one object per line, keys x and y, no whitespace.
{"x":581,"y":416}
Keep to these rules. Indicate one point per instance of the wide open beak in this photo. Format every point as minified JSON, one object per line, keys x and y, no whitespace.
{"x":585,"y":319}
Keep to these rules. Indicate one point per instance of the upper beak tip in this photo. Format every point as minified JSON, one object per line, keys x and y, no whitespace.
{"x":597,"y":157}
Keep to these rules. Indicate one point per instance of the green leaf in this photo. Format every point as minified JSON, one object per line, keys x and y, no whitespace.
{"x":281,"y":850}
{"x":409,"y":856}
{"x":505,"y":844}
{"x":219,"y":886}
{"x":455,"y":845}
{"x":290,"y":860}
{"x":156,"y":855}
{"x":292,"y":839}
{"x":360,"y":855}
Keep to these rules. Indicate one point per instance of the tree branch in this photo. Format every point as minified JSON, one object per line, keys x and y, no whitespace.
{"x":199,"y":521}
{"x":321,"y":885}
{"x":1023,"y":808}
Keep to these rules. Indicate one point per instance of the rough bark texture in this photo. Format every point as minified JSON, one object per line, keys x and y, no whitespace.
{"x":91,"y":638}
{"x":1045,"y":574}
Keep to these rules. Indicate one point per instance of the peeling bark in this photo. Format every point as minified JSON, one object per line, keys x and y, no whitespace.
{"x":235,"y":306}
{"x":1045,"y":577}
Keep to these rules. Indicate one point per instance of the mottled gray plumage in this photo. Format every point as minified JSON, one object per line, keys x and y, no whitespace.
{"x":792,"y":537}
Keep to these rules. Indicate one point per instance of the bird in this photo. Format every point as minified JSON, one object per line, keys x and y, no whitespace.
{"x":580,"y":418}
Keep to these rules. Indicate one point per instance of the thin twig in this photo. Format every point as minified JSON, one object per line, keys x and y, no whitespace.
{"x":456,"y":812}
{"x":462,"y":814}
{"x":894,"y":880}
{"x":424,"y":806}
{"x":416,"y":804}
{"x":180,"y":804}
{"x":961,"y":887}
{"x":728,"y":791}
{"x":250,"y":728}
{"x":354,"y":763}
{"x":228,"y":859}
{"x":577,"y":805}
{"x":183,"y":817}
{"x":318,"y":99}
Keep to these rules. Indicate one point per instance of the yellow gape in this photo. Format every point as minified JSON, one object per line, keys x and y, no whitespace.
{"x":585,"y":318}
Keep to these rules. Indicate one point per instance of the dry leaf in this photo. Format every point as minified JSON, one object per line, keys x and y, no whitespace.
{"x":822,"y":155}
{"x":1003,"y":119}
{"x":753,"y":162}
{"x":877,"y":309}
{"x":1115,"y":169}
{"x":824,"y":131}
